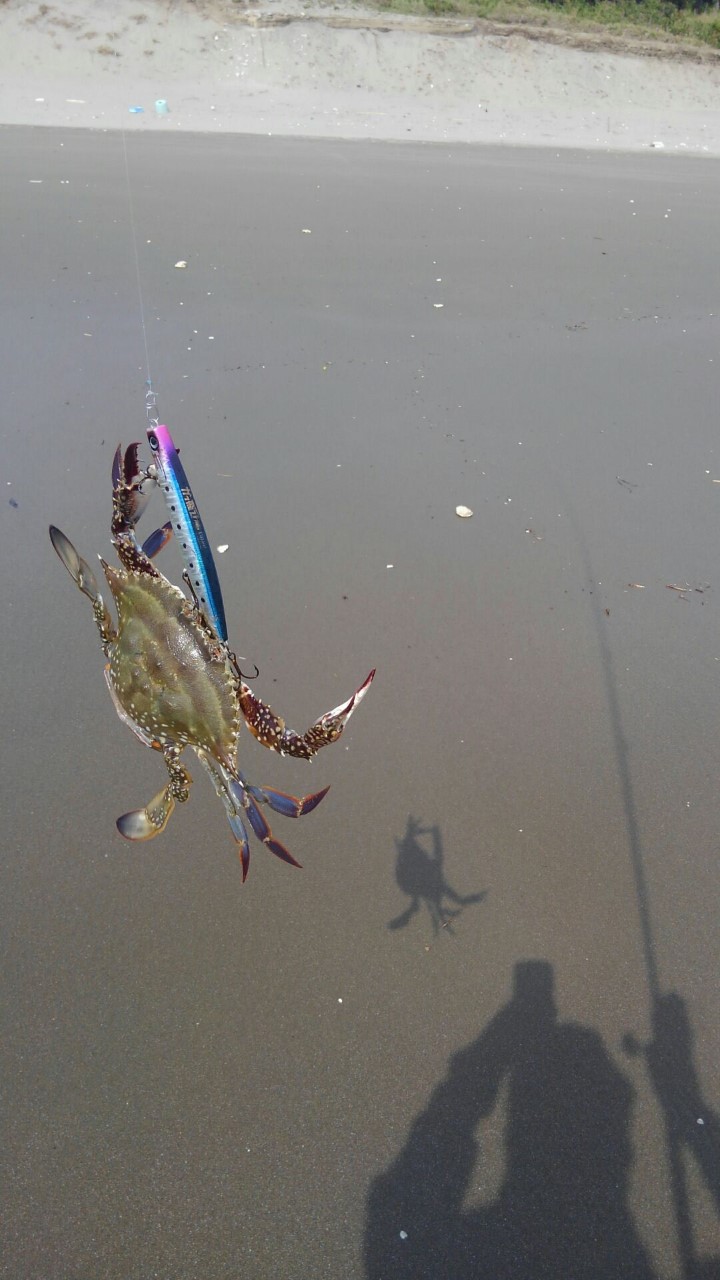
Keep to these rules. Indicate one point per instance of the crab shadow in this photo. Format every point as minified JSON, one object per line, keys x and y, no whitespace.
{"x":420,"y":875}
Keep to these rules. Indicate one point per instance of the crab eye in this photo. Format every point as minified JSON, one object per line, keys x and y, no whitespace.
{"x":153,"y":442}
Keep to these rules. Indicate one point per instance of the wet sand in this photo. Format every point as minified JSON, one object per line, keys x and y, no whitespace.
{"x":205,"y":1079}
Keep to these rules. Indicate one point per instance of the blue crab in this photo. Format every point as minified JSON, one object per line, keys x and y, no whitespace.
{"x":176,"y":684}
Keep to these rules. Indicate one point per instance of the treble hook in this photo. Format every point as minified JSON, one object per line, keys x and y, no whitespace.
{"x":241,"y":674}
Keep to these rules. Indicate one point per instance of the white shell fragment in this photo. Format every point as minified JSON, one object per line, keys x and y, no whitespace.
{"x":223,"y":547}
{"x":463,"y":512}
{"x":180,"y":264}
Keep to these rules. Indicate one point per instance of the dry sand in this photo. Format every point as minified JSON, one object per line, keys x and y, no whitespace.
{"x":284,"y":67}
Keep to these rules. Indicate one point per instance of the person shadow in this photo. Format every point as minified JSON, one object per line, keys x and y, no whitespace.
{"x":562,"y":1209}
{"x":419,"y":873}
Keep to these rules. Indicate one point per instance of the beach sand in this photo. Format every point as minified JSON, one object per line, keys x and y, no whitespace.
{"x":342,"y":71}
{"x":483,"y":1022}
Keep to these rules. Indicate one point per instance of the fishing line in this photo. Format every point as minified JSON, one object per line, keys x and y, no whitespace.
{"x":200,"y":573}
{"x":151,"y":408}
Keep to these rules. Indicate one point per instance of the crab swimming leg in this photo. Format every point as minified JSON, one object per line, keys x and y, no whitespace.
{"x":84,"y":578}
{"x":270,"y":730}
{"x":144,"y":824}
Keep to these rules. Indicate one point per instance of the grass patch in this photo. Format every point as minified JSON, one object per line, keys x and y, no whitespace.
{"x":634,"y":18}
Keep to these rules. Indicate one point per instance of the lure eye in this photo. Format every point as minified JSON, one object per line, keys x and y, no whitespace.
{"x":153,"y":442}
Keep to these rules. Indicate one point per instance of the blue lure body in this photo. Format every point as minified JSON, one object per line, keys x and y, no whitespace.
{"x":186,"y":523}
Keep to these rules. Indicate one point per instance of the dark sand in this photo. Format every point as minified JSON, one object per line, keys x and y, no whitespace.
{"x":207,"y":1080}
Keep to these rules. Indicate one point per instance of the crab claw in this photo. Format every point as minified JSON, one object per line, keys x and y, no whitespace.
{"x":270,"y":729}
{"x":126,"y":466}
{"x":329,"y":727}
{"x":144,"y":824}
{"x":78,"y":568}
{"x":127,"y":478}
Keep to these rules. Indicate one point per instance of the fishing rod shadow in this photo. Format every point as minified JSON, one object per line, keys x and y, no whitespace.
{"x":695,"y":1126}
{"x":420,"y":875}
{"x":689,"y":1123}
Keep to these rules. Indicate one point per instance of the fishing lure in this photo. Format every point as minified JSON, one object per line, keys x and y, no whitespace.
{"x":168,"y":472}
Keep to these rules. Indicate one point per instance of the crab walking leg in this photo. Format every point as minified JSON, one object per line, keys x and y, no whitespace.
{"x":240,"y":797}
{"x":157,"y":540}
{"x":289,"y":806}
{"x":233,"y":817}
{"x":258,"y":822}
{"x":270,"y":729}
{"x":144,"y":824}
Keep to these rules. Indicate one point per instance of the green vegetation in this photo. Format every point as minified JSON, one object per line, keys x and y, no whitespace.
{"x":695,"y":21}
